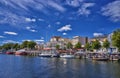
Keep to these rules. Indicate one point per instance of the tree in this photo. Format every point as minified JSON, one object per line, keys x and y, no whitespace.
{"x":96,"y":45}
{"x":16,"y":46}
{"x":69,"y":45}
{"x":31,"y":44}
{"x":24,"y":44}
{"x":116,"y":39}
{"x":106,"y":44}
{"x":57,"y":47}
{"x":8,"y":46}
{"x":87,"y":46}
{"x":78,"y":45}
{"x":28,"y":44}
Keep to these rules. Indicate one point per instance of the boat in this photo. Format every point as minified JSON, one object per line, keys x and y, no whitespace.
{"x":48,"y":52}
{"x":21,"y":52}
{"x":79,"y":55}
{"x":100,"y":58}
{"x":9,"y":52}
{"x":114,"y":57}
{"x":45,"y":55}
{"x":67,"y":56}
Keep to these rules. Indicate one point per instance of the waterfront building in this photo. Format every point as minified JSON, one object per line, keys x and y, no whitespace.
{"x":101,"y":39}
{"x":112,"y":48}
{"x":82,"y":40}
{"x":57,"y":40}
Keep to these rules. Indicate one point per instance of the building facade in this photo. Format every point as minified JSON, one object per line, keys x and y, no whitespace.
{"x":82,"y":40}
{"x":57,"y":40}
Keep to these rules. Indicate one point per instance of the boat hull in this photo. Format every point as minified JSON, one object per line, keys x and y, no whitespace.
{"x":10,"y":53}
{"x":20,"y":53}
{"x":67,"y":56}
{"x":100,"y":59}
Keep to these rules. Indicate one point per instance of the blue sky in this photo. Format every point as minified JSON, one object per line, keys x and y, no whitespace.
{"x":38,"y":20}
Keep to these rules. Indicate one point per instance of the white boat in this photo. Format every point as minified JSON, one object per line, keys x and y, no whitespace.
{"x":49,"y":53}
{"x":45,"y":55}
{"x":67,"y":56}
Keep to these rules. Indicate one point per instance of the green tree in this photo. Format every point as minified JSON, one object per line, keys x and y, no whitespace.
{"x":57,"y":47}
{"x":16,"y":46}
{"x":106,"y":44}
{"x":87,"y":46}
{"x":116,"y":39}
{"x":0,"y":47}
{"x":78,"y":45}
{"x":24,"y":44}
{"x":8,"y":46}
{"x":31,"y":44}
{"x":69,"y":45}
{"x":28,"y":44}
{"x":96,"y":45}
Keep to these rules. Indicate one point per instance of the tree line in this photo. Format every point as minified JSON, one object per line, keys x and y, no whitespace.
{"x":16,"y":46}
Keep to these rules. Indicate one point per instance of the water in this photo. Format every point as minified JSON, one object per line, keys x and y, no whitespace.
{"x":35,"y":67}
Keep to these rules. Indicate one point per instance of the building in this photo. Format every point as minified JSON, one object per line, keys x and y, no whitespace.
{"x":57,"y":40}
{"x":82,"y":40}
{"x":112,"y":48}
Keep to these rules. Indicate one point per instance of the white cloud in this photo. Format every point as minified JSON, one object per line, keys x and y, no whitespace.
{"x":30,"y":29}
{"x":10,"y":41}
{"x":33,"y":30}
{"x":65,"y":28}
{"x":74,"y":3}
{"x":64,"y":33}
{"x":56,"y":6}
{"x":30,"y":19}
{"x":7,"y":17}
{"x":49,"y":26}
{"x":2,"y":36}
{"x":112,"y":10}
{"x":26,"y":40}
{"x":58,"y":23}
{"x":10,"y":33}
{"x":40,"y":5}
{"x":84,"y":9}
{"x":97,"y":34}
{"x":20,"y":8}
{"x":41,"y":19}
{"x":41,"y":40}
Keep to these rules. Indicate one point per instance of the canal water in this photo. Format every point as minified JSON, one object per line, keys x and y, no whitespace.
{"x":36,"y":67}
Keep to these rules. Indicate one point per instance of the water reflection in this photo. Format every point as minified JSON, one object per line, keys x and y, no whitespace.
{"x":36,"y":67}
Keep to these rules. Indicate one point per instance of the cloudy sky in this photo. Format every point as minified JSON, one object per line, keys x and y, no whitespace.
{"x":38,"y":20}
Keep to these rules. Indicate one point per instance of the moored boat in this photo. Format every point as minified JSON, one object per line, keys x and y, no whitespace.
{"x":100,"y":58}
{"x":21,"y":52}
{"x":9,"y":52}
{"x":67,"y":56}
{"x":48,"y":52}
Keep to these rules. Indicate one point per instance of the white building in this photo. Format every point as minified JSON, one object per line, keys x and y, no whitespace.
{"x":82,"y":40}
{"x":57,"y":40}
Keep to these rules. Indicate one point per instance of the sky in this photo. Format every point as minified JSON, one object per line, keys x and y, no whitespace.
{"x":39,"y":20}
